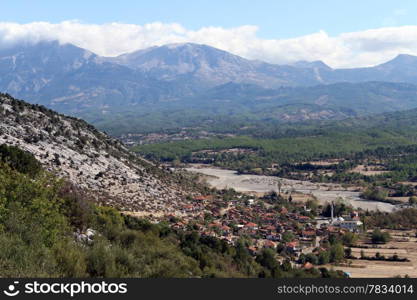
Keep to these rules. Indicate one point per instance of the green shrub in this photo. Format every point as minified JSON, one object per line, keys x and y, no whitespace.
{"x":19,"y":160}
{"x":379,"y":237}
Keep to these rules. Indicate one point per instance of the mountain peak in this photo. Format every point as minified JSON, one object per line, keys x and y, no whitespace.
{"x":167,"y":62}
{"x":405,"y":56}
{"x":310,"y":64}
{"x":193,"y":49}
{"x":402,"y":59}
{"x":47,"y":46}
{"x":182,"y":45}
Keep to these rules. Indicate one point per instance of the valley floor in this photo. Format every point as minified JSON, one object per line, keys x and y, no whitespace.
{"x":258,"y":184}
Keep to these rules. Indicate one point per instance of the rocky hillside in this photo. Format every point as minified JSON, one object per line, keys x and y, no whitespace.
{"x":88,"y":158}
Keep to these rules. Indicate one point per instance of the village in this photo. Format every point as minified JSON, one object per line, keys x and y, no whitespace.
{"x":299,"y":228}
{"x":290,"y":228}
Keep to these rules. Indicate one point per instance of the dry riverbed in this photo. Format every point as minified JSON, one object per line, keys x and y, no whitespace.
{"x":221,"y":178}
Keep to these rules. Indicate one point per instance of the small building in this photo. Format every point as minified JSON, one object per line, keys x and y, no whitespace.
{"x":351,"y":225}
{"x":293,"y":247}
{"x":251,"y":226}
{"x":270,"y":244}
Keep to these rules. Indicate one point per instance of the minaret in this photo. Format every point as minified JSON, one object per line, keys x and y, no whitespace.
{"x":331,"y":211}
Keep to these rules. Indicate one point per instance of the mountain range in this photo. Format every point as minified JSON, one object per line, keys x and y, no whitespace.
{"x":198,"y":80}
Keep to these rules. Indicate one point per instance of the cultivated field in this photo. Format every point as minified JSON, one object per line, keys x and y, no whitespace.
{"x":404,"y":244}
{"x":368,"y":170}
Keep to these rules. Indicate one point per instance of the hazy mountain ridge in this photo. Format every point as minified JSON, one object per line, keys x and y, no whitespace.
{"x":75,"y":81}
{"x":29,"y":68}
{"x":88,"y":158}
{"x":168,"y":61}
{"x":244,"y":103}
{"x":209,"y":65}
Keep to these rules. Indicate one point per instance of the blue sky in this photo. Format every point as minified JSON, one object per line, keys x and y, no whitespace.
{"x":275,"y":18}
{"x":342,"y":33}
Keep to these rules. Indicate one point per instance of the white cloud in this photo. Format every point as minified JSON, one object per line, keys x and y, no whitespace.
{"x":352,"y":49}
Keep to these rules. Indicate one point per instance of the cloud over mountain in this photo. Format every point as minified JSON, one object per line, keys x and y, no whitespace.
{"x":353,"y":49}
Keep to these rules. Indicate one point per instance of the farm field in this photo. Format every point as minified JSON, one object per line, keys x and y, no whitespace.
{"x":404,"y":244}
